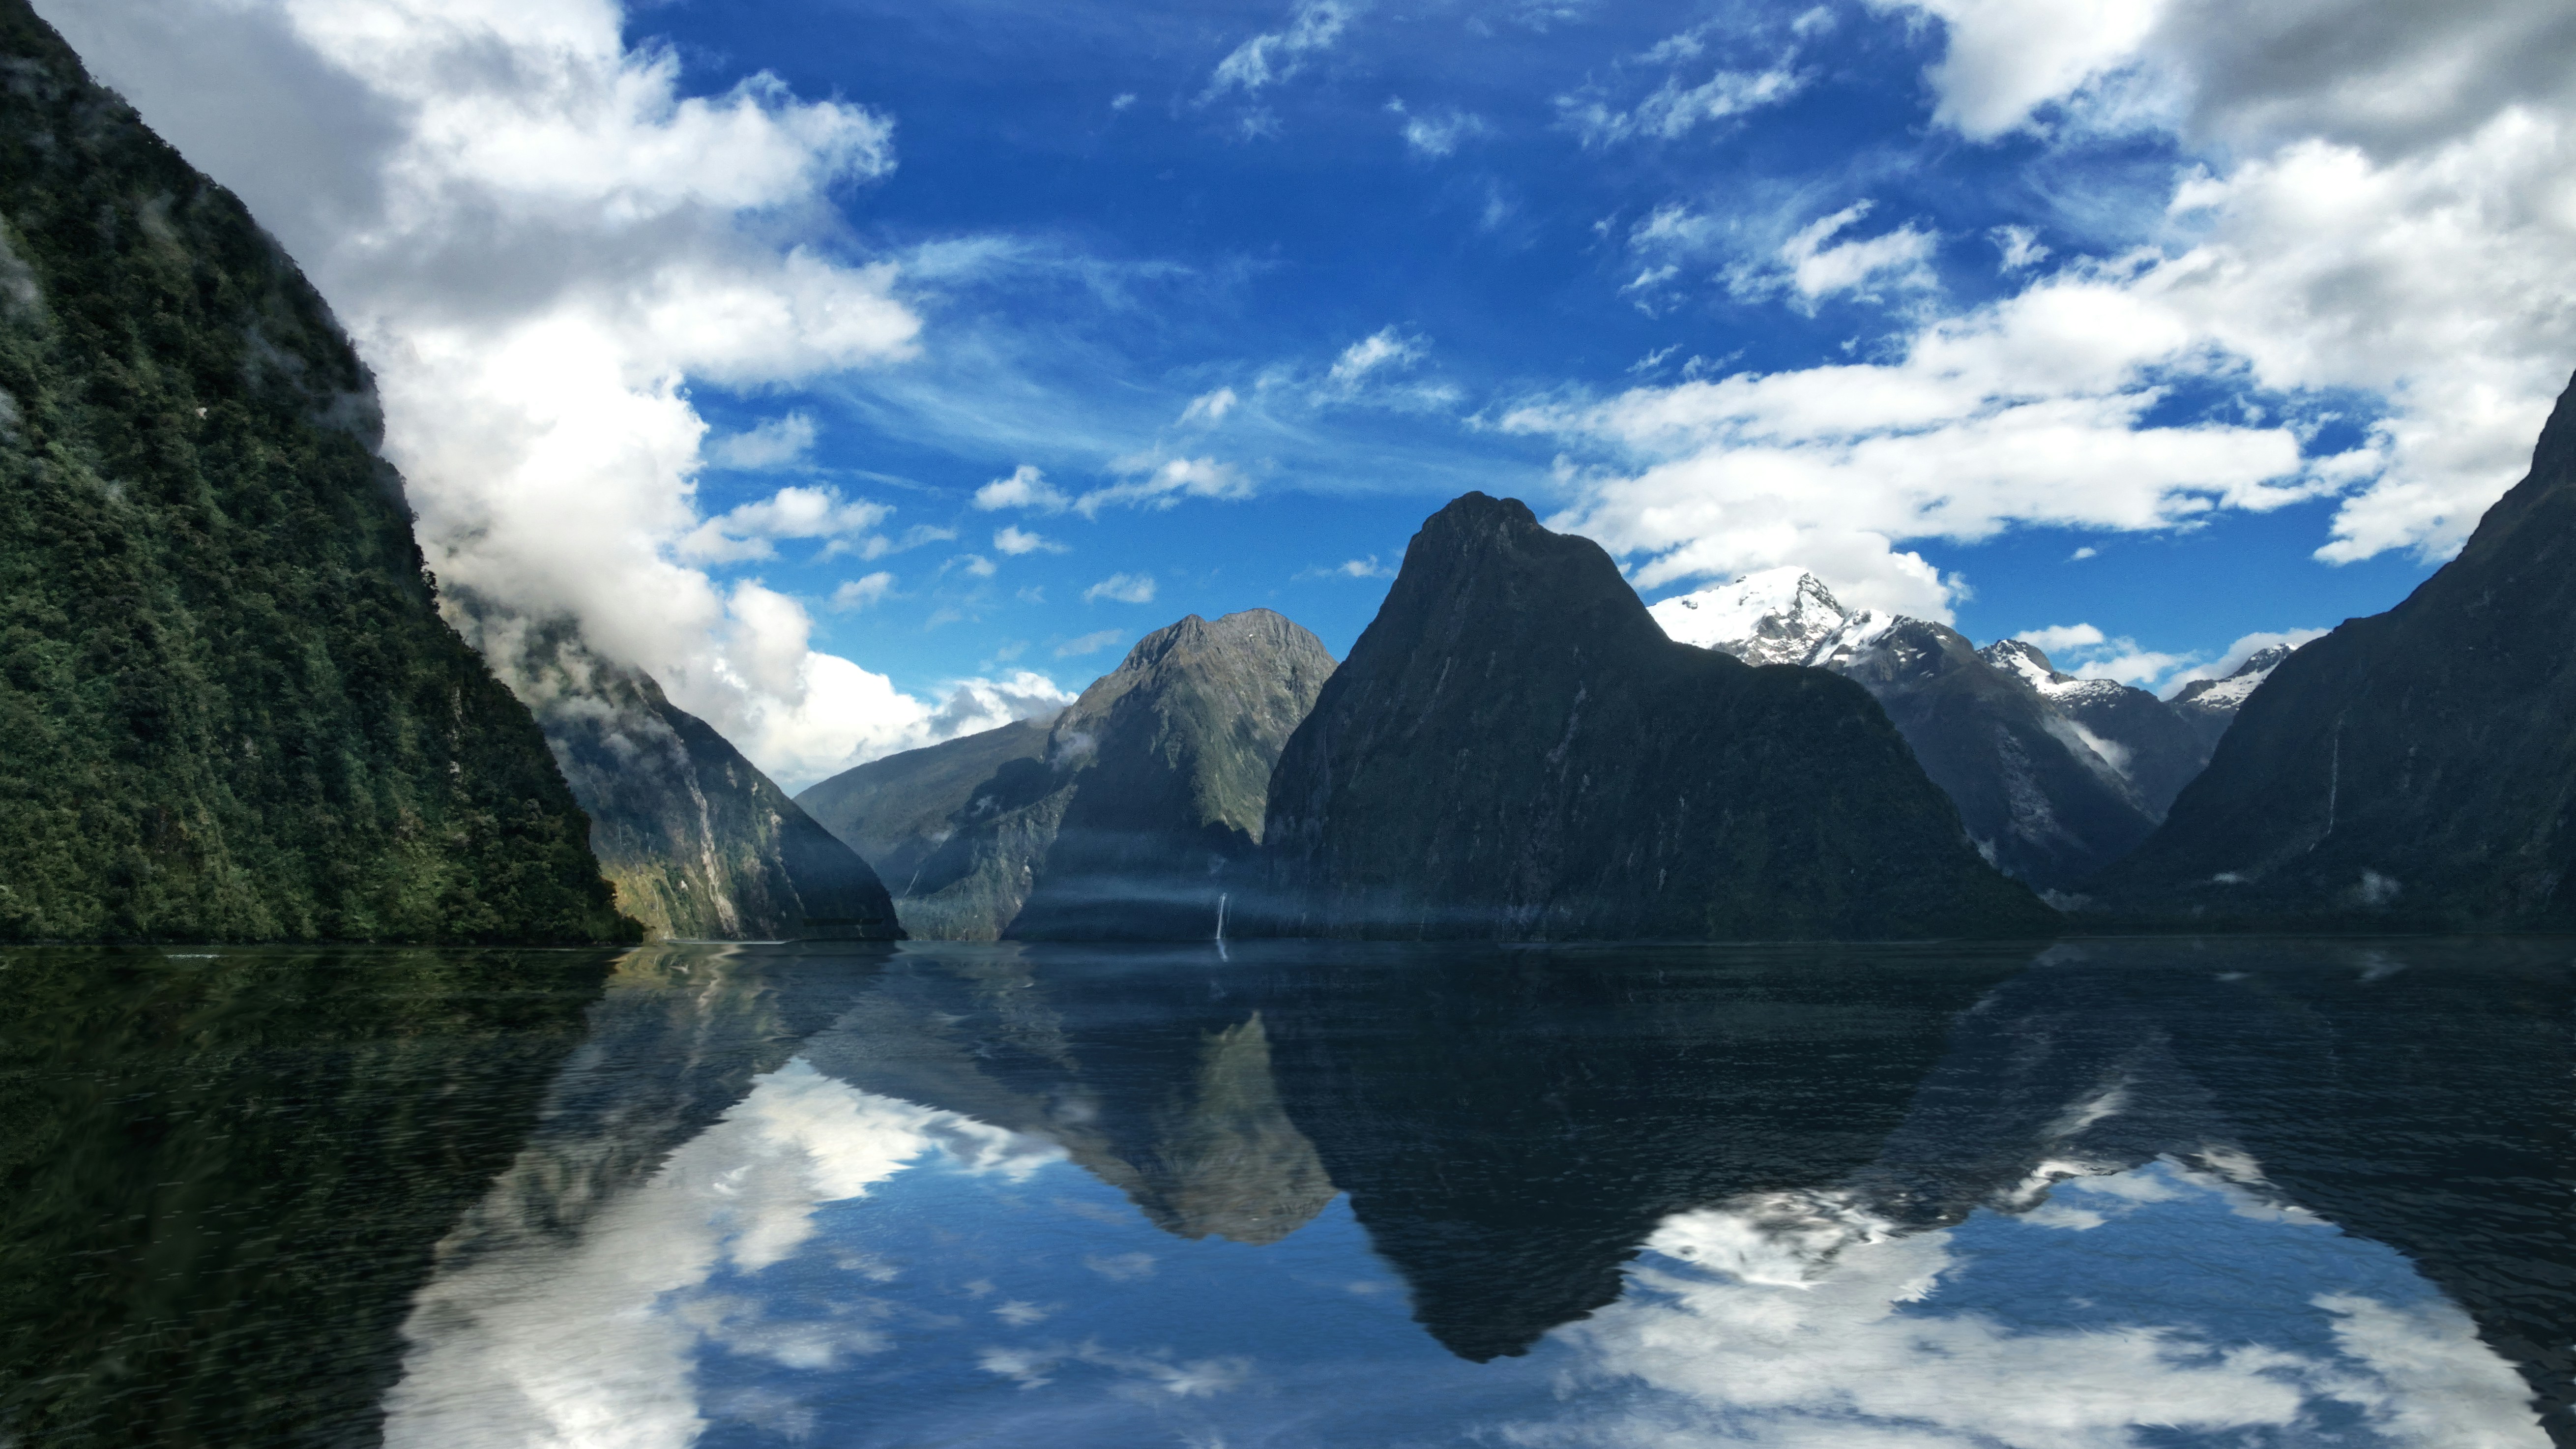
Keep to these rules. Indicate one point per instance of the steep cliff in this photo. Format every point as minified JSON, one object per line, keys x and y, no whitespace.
{"x":1139,"y":816}
{"x":228,"y":706}
{"x":2412,"y":768}
{"x":700,"y":844}
{"x":1514,"y":749}
{"x":894,"y":812}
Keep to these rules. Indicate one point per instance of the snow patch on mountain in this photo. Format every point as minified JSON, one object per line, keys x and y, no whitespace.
{"x":1777,"y":616}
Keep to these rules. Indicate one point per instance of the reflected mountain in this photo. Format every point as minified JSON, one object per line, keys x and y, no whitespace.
{"x":2414,"y":1092}
{"x":1141,"y":1064}
{"x":223,"y":1171}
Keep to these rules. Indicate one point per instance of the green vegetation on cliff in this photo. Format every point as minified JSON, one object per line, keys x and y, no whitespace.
{"x":228,"y":707}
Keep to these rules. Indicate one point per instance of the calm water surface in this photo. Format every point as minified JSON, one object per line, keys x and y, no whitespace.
{"x":2152,"y":1193}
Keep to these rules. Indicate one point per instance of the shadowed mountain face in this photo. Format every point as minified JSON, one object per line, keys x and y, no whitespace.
{"x":228,"y":707}
{"x":1137,"y":817}
{"x":699,"y":843}
{"x":2055,"y":777}
{"x":2209,"y":706}
{"x":895,"y":812}
{"x":2414,"y":767}
{"x":1515,"y":750}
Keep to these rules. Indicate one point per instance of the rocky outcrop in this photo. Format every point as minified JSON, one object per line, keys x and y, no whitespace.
{"x":2412,"y":768}
{"x":1139,"y":816}
{"x":700,"y":844}
{"x":1515,"y":750}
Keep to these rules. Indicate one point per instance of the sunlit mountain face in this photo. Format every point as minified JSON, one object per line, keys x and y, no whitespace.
{"x":2147,"y":1193}
{"x":870,"y":373}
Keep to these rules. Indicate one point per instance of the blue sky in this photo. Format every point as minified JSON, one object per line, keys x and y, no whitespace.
{"x":715,"y":325}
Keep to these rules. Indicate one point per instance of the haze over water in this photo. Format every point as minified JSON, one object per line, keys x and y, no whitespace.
{"x":2148,"y":1192}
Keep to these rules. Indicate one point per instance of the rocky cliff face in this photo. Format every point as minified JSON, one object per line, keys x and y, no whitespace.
{"x":700,"y":844}
{"x":228,"y":706}
{"x":2413,"y":768}
{"x":1514,"y":750}
{"x":1136,"y":819}
{"x":2054,"y":776}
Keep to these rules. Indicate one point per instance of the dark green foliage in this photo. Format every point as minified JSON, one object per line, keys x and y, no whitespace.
{"x":228,"y":708}
{"x":221,"y":1180}
{"x":2414,"y":769}
{"x":1515,"y":750}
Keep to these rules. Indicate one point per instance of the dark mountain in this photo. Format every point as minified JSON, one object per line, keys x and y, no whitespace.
{"x":894,"y":812}
{"x":2209,"y":706}
{"x":700,"y":844}
{"x":2054,"y":776}
{"x":1137,"y":819}
{"x":228,"y":706}
{"x":2412,"y":768}
{"x":1515,"y":750}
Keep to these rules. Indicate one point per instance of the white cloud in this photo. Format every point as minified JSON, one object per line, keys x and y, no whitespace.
{"x":1385,"y":348}
{"x":1274,"y":56}
{"x":1210,"y":407}
{"x":2081,"y":554}
{"x":776,"y":443}
{"x":2020,"y":247}
{"x":1122,"y":588}
{"x":1358,"y":568}
{"x":1091,"y":643}
{"x":2059,"y":638}
{"x":1814,"y":270}
{"x":749,"y":531}
{"x":1674,"y":109}
{"x":2397,"y":216}
{"x":1436,"y":135}
{"x":2031,"y":410}
{"x":860,"y":592}
{"x":2244,"y":648}
{"x":1165,"y":484}
{"x":1017,"y":540}
{"x":1025,"y":488}
{"x":538,"y":240}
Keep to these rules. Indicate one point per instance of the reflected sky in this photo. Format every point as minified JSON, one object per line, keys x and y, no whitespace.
{"x":1052,"y":1196}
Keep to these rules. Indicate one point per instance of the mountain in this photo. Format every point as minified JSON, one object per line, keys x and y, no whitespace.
{"x":894,"y":812}
{"x":2156,"y":749}
{"x":229,"y":708}
{"x":2412,"y":769}
{"x":1137,"y":817}
{"x":1515,"y":750}
{"x":2209,"y":706}
{"x":2054,"y":776}
{"x":700,"y":844}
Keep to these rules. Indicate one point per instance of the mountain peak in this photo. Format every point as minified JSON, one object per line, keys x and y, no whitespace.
{"x":1776,"y":616}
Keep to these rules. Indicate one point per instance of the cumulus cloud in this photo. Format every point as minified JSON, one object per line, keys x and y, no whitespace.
{"x":2396,"y":214}
{"x":1815,"y":266}
{"x":776,"y":443}
{"x":751,"y":530}
{"x":1152,"y":482}
{"x":2086,"y":652}
{"x":2020,"y":247}
{"x":1386,"y":348}
{"x":2034,"y":409}
{"x":860,"y":592}
{"x":1017,"y":540}
{"x":1358,"y":568}
{"x":538,"y":240}
{"x":1123,"y":589}
{"x":1436,"y":135}
{"x":2245,"y":647}
{"x":1025,"y":488}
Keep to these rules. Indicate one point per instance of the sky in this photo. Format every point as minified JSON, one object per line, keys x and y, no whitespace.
{"x":870,"y":372}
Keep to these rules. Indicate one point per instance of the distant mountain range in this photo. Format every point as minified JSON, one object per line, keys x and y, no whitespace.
{"x":2055,"y":776}
{"x":1133,"y":816}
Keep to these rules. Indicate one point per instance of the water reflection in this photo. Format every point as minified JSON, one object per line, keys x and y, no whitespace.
{"x":2136,"y":1193}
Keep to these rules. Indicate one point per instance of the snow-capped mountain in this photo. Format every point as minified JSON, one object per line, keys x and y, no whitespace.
{"x":2210,"y":705}
{"x":2054,"y":776}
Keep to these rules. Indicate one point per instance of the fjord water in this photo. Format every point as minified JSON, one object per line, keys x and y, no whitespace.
{"x":2151,"y":1192}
